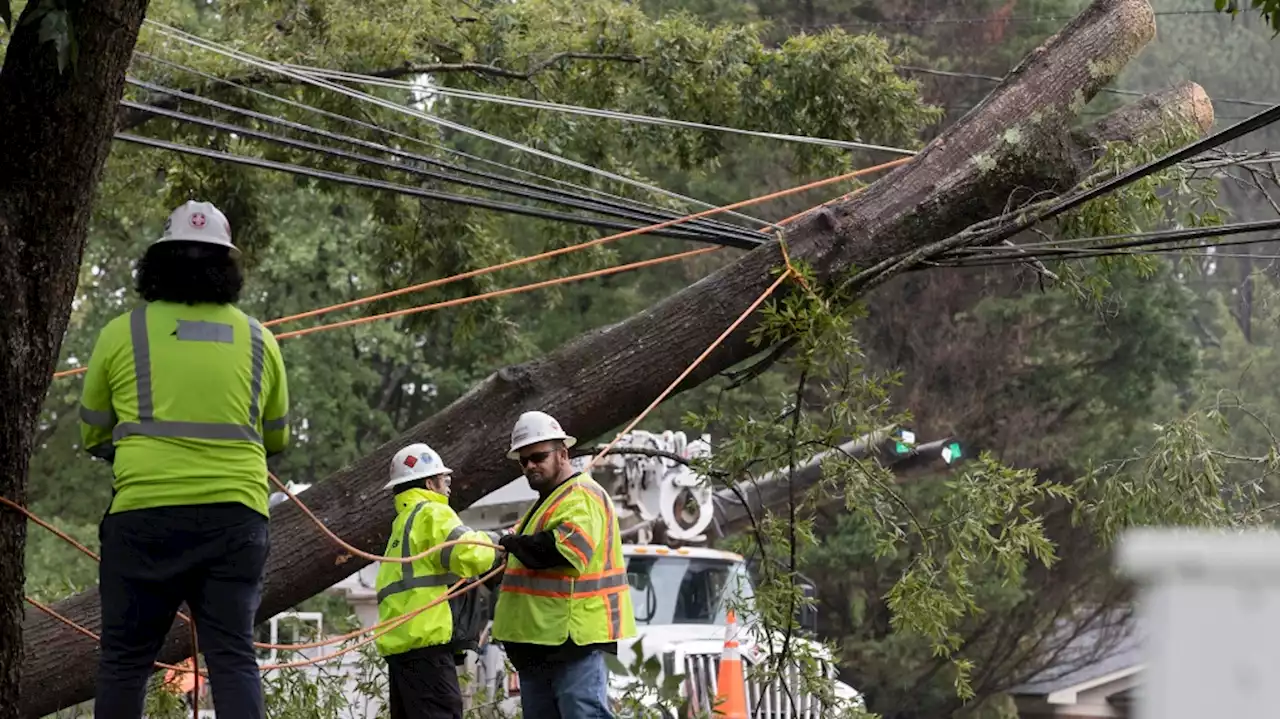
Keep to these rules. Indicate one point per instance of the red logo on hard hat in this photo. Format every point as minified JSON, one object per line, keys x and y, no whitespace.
{"x":197,"y":220}
{"x":410,"y":461}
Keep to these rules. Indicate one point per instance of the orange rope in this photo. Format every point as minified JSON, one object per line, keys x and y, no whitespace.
{"x":386,"y":627}
{"x":355,"y":551}
{"x":260,"y":645}
{"x":88,"y":633}
{"x":497,"y":293}
{"x":63,"y":535}
{"x":561,"y":251}
{"x":453,"y":591}
{"x":598,"y":241}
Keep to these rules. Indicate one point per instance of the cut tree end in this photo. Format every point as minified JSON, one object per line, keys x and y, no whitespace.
{"x":1185,"y":104}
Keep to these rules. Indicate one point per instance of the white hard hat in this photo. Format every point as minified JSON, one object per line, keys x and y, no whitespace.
{"x":417,"y":461}
{"x":535,"y":427}
{"x":199,"y":222}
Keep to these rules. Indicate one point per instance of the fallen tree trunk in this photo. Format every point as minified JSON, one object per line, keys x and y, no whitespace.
{"x":1015,"y":145}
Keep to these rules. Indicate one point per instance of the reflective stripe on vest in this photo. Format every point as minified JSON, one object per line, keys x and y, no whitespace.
{"x":606,"y":585}
{"x":408,"y":581}
{"x":147,"y":425}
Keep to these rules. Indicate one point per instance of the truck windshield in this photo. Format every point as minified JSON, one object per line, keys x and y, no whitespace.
{"x":683,"y":590}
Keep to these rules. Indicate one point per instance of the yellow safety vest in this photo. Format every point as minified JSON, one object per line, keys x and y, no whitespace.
{"x":187,"y":401}
{"x":424,"y":520}
{"x":589,"y":602}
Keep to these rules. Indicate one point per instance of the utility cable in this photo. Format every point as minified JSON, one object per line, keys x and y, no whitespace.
{"x":382,"y":185}
{"x":997,"y":229}
{"x":1113,"y":241}
{"x":655,"y":212}
{"x":407,"y":138}
{"x":261,"y":63}
{"x":736,"y":238}
{"x":342,"y":76}
{"x":1147,"y":248}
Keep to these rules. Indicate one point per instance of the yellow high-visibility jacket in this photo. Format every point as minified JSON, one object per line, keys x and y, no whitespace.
{"x":588,"y":602}
{"x":424,"y":520}
{"x":186,"y":401}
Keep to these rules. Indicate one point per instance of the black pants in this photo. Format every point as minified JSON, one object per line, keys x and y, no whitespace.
{"x":210,"y":556}
{"x":424,"y":684}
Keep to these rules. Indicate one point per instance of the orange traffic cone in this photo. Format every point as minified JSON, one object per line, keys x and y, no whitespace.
{"x":731,"y":700}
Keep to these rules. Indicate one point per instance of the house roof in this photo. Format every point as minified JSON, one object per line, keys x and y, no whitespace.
{"x":1093,"y":657}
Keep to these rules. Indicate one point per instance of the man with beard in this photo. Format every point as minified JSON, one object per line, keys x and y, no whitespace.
{"x":186,"y":396}
{"x":564,"y":599}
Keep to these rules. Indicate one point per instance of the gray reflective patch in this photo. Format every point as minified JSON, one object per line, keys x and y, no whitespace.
{"x":406,"y":570}
{"x":615,"y":615}
{"x":271,"y":425}
{"x":98,"y":418}
{"x":186,"y":430}
{"x":255,"y":389}
{"x":595,"y":585}
{"x":201,"y":331}
{"x":404,"y":585}
{"x":578,"y":540}
{"x":141,"y":362}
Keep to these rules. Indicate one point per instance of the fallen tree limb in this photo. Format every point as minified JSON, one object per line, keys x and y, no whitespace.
{"x":1017,"y":146}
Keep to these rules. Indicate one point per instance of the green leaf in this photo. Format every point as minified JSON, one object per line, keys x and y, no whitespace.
{"x":615,"y":665}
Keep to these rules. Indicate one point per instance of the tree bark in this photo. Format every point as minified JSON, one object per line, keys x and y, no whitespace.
{"x":1016,"y":145}
{"x":57,"y":132}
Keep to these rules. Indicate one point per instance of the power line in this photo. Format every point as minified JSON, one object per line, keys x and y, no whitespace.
{"x":701,"y":235}
{"x":409,"y":138}
{"x":382,"y":185}
{"x":255,"y":61}
{"x":340,"y":75}
{"x":995,"y":230}
{"x":1128,"y":243}
{"x":529,"y":189}
{"x":1201,"y":250}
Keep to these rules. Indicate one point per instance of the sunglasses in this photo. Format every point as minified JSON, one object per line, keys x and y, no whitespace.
{"x":535,"y":458}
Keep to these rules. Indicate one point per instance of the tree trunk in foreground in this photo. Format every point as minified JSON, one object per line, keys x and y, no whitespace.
{"x":605,"y":377}
{"x":57,"y":132}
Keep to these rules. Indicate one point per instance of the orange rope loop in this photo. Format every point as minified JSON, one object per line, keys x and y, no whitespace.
{"x":355,"y":551}
{"x":498,"y":293}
